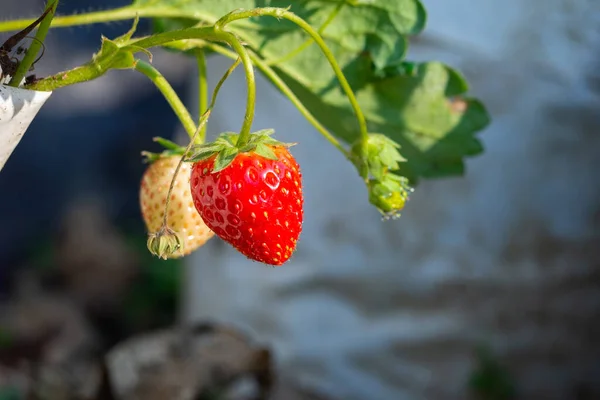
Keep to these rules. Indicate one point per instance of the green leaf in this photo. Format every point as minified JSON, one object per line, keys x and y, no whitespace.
{"x":418,"y":105}
{"x":434,"y":130}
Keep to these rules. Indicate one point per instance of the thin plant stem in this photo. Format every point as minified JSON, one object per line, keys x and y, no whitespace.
{"x":35,"y":46}
{"x":202,"y":91}
{"x":169,"y":93}
{"x":308,"y":41}
{"x":283,"y":87}
{"x":283,"y":13}
{"x":201,"y":125}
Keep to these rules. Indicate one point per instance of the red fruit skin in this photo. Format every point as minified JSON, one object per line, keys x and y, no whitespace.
{"x":255,"y":204}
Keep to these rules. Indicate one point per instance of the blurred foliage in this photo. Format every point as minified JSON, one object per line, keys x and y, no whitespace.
{"x":491,"y":380}
{"x":154,"y":298}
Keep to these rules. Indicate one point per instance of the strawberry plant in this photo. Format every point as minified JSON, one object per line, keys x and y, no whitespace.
{"x":340,"y":62}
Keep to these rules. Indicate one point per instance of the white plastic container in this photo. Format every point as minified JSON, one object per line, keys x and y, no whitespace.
{"x":18,"y":107}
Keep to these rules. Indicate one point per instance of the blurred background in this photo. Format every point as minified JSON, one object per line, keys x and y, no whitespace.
{"x":487,"y":287}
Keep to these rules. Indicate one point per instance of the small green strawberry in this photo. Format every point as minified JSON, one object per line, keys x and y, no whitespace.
{"x":377,"y":161}
{"x":186,"y":231}
{"x":250,"y":197}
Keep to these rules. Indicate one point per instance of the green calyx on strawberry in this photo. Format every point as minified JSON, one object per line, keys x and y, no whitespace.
{"x":250,"y":195}
{"x":225,"y":148}
{"x":375,"y":161}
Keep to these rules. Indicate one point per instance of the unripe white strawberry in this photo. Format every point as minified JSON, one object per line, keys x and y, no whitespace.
{"x":182,"y":217}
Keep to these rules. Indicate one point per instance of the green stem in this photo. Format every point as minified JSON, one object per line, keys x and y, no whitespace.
{"x":222,"y":81}
{"x":35,"y":46}
{"x":215,"y":33}
{"x":309,"y":41}
{"x":165,"y":88}
{"x":282,"y":13}
{"x":279,"y":83}
{"x":117,"y":14}
{"x":245,"y":131}
{"x":195,"y":133}
{"x":202,"y":91}
{"x":93,"y":70}
{"x":201,"y":126}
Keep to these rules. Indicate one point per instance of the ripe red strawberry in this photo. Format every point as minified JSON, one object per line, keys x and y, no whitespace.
{"x":183,"y":218}
{"x":254,"y":202}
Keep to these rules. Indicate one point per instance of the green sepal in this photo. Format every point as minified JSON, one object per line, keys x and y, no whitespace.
{"x":124,"y":38}
{"x":201,"y":153}
{"x":380,"y":155}
{"x":171,"y":149}
{"x":224,"y":158}
{"x":374,"y":161}
{"x":226,"y":148}
{"x":265,"y":151}
{"x":164,"y":243}
{"x":149,"y":157}
{"x":166,"y":143}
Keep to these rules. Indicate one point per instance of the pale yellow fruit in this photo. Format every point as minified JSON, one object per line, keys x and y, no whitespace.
{"x":182,"y":216}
